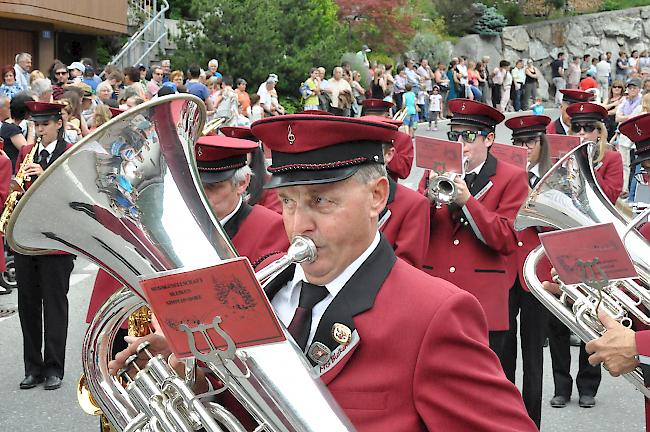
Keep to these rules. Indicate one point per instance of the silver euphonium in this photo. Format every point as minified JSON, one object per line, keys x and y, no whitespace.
{"x":568,"y":196}
{"x":442,"y":189}
{"x":128,"y":197}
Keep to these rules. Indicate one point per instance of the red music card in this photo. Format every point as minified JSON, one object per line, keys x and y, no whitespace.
{"x":559,"y":145}
{"x":438,"y":155}
{"x":511,"y":154}
{"x":228,"y":290}
{"x":565,"y":248}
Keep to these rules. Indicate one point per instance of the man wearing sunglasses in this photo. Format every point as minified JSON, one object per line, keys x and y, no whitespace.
{"x":472,"y":237}
{"x":569,"y":96}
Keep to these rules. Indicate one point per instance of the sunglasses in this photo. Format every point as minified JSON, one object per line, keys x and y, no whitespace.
{"x":468,"y":135}
{"x":530,"y":143}
{"x":618,"y":87}
{"x":587,"y":127}
{"x":60,"y":73}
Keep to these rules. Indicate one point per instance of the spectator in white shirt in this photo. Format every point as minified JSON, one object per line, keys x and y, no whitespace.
{"x":603,"y":71}
{"x":266,"y":97}
{"x":23,"y":67}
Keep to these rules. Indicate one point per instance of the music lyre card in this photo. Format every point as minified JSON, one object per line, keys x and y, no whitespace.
{"x":588,"y":252}
{"x":228,"y":290}
{"x":438,"y":155}
{"x":559,"y":145}
{"x":512,"y":154}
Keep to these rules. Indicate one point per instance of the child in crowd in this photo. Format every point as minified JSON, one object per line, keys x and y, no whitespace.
{"x":411,"y":119}
{"x":255,"y":111}
{"x":435,"y":103}
{"x":422,"y":102}
{"x":538,"y":106}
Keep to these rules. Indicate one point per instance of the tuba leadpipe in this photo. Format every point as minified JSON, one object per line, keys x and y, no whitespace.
{"x":569,"y":196}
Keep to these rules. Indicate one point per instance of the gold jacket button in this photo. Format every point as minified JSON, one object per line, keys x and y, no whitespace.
{"x":462,"y":220}
{"x":452,"y":269}
{"x":466,"y":223}
{"x":456,"y":242}
{"x":520,"y":244}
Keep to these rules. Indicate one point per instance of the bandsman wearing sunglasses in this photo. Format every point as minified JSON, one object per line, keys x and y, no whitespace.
{"x":561,"y":125}
{"x":587,"y":123}
{"x":528,"y":131}
{"x":472,"y":237}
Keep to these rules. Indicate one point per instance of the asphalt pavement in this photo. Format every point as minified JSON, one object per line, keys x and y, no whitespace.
{"x":619,"y":406}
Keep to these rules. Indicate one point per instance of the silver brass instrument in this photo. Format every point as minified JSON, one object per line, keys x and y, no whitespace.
{"x":442,"y":189}
{"x":129,"y":198}
{"x":568,"y":196}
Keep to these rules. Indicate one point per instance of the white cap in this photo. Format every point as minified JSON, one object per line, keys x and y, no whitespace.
{"x":77,"y":65}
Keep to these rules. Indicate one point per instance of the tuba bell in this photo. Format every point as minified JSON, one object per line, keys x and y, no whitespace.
{"x":569,"y":196}
{"x":128,"y":197}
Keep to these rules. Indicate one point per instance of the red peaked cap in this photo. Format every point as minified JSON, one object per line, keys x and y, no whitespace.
{"x":116,"y":111}
{"x":218,"y":157}
{"x":312,"y":149}
{"x":471,"y":113}
{"x":573,"y":95}
{"x":637,"y":129}
{"x":44,"y":111}
{"x":388,"y":120}
{"x":586,"y":111}
{"x":376,"y":106}
{"x":528,"y":125}
{"x":238,"y":132}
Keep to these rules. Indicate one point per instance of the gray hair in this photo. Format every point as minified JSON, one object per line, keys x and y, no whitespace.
{"x":240,"y":175}
{"x":101,"y":86}
{"x":166,"y":62}
{"x":127,"y":93}
{"x":213,"y":62}
{"x":40,"y":86}
{"x":369,"y":172}
{"x":22,"y":56}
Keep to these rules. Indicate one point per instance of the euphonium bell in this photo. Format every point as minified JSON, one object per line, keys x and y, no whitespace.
{"x":129,"y":198}
{"x":569,"y":196}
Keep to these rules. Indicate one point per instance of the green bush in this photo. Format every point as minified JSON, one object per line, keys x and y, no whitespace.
{"x":490,"y":22}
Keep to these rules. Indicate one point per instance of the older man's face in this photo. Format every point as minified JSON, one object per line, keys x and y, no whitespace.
{"x":26,"y":64}
{"x":340,"y":217}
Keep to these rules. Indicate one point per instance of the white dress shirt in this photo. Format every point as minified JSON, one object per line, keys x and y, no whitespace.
{"x":50,"y":149}
{"x":286,"y":300}
{"x":475,"y":170}
{"x":231,"y":214}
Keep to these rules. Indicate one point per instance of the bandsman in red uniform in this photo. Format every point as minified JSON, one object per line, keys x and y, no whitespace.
{"x":443,"y":376}
{"x":560,"y":126}
{"x":587,"y":122}
{"x":528,"y":131}
{"x":471,"y":238}
{"x":621,"y":349}
{"x":44,"y":280}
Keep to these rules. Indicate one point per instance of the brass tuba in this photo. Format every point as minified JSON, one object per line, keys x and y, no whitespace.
{"x":128,"y":197}
{"x":568,"y":196}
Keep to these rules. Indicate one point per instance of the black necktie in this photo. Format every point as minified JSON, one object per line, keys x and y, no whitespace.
{"x":469,"y":179}
{"x":310,"y":296}
{"x":44,"y":154}
{"x":532,"y":179}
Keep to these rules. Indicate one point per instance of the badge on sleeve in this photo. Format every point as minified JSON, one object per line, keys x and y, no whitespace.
{"x":341,"y":334}
{"x":319,"y":353}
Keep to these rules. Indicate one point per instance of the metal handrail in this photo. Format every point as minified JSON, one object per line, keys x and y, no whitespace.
{"x":156,"y":19}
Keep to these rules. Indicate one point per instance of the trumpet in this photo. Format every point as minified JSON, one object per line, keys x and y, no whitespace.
{"x":442,"y":189}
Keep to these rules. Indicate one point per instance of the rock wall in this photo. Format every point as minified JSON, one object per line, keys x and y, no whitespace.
{"x":615,"y":31}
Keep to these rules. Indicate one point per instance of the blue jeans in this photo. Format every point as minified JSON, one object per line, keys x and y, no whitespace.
{"x":633,"y":182}
{"x":519,"y":94}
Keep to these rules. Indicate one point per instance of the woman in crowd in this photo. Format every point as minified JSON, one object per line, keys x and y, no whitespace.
{"x":530,"y":85}
{"x":454,"y":81}
{"x":34,"y":75}
{"x":358,"y":93}
{"x":378,"y":84}
{"x":176,"y":77}
{"x":616,"y":96}
{"x":400,"y":86}
{"x":101,"y":114}
{"x":9,"y":86}
{"x":10,"y":130}
{"x":104,"y":91}
{"x":473,"y":80}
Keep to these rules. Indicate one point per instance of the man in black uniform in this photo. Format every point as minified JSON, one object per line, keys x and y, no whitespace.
{"x":44,"y":280}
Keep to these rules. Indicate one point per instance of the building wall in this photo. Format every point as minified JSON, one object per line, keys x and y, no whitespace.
{"x":80,"y":16}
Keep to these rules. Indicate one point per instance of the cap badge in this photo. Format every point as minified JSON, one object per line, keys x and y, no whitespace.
{"x":639,"y":132}
{"x":290,"y":136}
{"x":582,"y":107}
{"x":462,"y":107}
{"x":319,"y":353}
{"x":521,"y":122}
{"x":341,"y":334}
{"x":199,"y":151}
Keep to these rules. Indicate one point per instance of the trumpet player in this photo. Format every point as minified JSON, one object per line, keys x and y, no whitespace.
{"x":472,"y":237}
{"x":528,"y":131}
{"x":331,"y":179}
{"x":587,"y":122}
{"x":43,"y":280}
{"x":562,"y":124}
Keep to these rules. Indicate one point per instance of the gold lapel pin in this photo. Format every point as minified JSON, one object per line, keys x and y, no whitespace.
{"x":341,"y":334}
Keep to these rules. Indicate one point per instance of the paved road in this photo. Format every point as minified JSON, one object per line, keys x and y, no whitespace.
{"x":619,"y":408}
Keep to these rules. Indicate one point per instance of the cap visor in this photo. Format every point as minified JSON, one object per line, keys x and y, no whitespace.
{"x":637,"y":160}
{"x":215,"y":176}
{"x":297,"y":178}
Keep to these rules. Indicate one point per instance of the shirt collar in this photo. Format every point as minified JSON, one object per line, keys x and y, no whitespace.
{"x":476,"y":170}
{"x":335,"y":286}
{"x":534,"y":170}
{"x":50,"y":147}
{"x":566,"y":128}
{"x":231,"y":214}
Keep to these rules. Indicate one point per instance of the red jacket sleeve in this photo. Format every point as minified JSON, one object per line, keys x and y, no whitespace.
{"x":412,"y":240}
{"x":496,"y":228}
{"x":610,"y":175}
{"x":403,"y":160}
{"x":489,"y":401}
{"x":5,"y":177}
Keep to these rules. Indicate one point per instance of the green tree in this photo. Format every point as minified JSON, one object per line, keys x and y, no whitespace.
{"x":490,"y":22}
{"x":252,"y":38}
